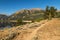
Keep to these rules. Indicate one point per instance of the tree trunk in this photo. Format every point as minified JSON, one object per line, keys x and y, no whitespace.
{"x":50,"y":16}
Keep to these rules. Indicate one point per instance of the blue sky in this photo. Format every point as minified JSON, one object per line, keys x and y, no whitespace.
{"x":11,"y":6}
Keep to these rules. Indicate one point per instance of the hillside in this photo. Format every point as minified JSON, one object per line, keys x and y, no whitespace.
{"x":3,"y":17}
{"x":44,"y":30}
{"x":27,"y":14}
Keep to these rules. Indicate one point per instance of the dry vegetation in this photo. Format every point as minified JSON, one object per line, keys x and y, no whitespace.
{"x":44,"y":30}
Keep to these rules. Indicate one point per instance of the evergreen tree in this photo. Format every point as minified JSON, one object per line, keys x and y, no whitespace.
{"x":50,"y":12}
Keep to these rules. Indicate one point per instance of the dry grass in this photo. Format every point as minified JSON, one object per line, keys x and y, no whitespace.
{"x":44,"y":30}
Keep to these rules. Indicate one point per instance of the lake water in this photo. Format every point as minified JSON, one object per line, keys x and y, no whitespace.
{"x":5,"y":27}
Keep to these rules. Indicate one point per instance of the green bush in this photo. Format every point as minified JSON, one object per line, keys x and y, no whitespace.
{"x":19,"y":22}
{"x":38,"y":19}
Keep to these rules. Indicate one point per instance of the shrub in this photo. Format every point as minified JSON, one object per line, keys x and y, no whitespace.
{"x":19,"y":22}
{"x":39,"y":19}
